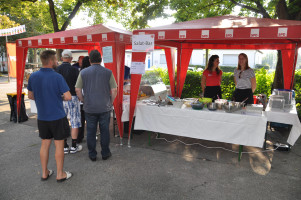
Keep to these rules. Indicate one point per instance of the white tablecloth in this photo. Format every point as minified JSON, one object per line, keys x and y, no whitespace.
{"x":125,"y":111}
{"x":286,"y":116}
{"x":217,"y":126}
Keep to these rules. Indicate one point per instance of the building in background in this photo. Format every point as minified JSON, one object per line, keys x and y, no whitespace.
{"x":198,"y":57}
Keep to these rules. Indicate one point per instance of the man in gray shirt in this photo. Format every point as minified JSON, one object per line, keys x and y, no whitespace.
{"x":97,"y":88}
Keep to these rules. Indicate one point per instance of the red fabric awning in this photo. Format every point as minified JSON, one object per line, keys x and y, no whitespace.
{"x":87,"y":38}
{"x":226,"y":32}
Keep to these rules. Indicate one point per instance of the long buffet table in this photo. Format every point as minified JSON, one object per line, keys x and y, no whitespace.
{"x":234,"y":128}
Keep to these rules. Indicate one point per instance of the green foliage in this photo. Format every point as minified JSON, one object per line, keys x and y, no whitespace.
{"x":6,"y":22}
{"x":264,"y":82}
{"x":192,"y":86}
{"x":227,"y":68}
{"x":228,"y":85}
{"x":297,"y":88}
{"x":197,"y":9}
{"x":223,"y":68}
{"x":259,"y":66}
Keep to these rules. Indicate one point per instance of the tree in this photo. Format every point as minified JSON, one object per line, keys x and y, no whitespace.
{"x":55,"y":16}
{"x":273,"y":9}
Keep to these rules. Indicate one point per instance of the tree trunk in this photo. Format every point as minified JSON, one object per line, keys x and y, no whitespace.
{"x":35,"y":56}
{"x":282,"y":13}
{"x":59,"y":54}
{"x":278,"y":79}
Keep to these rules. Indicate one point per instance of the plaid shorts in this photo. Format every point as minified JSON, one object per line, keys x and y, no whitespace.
{"x":72,"y":109}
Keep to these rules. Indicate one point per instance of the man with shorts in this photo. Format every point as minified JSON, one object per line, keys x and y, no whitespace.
{"x":72,"y":107}
{"x":99,"y":89}
{"x":48,"y":89}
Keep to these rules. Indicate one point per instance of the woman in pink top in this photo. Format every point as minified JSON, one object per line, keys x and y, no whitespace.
{"x":211,"y":80}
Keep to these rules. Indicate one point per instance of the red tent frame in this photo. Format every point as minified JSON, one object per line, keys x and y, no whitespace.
{"x":222,"y":32}
{"x":88,"y":38}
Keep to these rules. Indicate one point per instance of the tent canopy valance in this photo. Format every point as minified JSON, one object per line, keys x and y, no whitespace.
{"x":87,"y":38}
{"x":222,"y":32}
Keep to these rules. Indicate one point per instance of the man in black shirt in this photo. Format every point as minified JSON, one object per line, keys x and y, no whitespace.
{"x":72,"y":107}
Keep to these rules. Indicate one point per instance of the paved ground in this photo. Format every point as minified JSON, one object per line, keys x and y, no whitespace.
{"x":161,"y":171}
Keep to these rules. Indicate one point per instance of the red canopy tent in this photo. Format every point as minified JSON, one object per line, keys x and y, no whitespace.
{"x":222,"y":32}
{"x":88,"y":38}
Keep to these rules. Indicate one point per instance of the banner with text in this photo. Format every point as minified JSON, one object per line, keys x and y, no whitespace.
{"x":143,"y":43}
{"x":12,"y":31}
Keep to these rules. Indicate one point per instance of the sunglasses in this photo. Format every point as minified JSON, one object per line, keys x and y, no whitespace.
{"x":239,"y":74}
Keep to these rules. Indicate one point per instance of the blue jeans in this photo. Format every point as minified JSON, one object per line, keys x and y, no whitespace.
{"x":92,"y":120}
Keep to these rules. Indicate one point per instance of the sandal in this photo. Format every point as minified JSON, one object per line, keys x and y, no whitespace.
{"x":49,"y":174}
{"x":69,"y":175}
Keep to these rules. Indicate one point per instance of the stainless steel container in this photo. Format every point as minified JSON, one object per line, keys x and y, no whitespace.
{"x":212,"y":106}
{"x":276,"y":101}
{"x":288,"y":95}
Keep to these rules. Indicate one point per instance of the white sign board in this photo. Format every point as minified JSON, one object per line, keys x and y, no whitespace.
{"x":143,"y":43}
{"x":138,"y":68}
{"x":107,"y":54}
{"x":282,"y":32}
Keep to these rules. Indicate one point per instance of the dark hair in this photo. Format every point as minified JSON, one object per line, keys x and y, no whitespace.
{"x":46,"y":56}
{"x":86,"y":62}
{"x":95,"y":56}
{"x":210,"y":64}
{"x":246,"y":57}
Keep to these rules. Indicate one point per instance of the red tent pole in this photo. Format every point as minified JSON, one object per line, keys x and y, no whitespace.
{"x":120,"y":55}
{"x":295,"y":63}
{"x":170,"y":55}
{"x":21,"y":59}
{"x":118,"y":61}
{"x":179,"y":52}
{"x":185,"y":58}
{"x":135,"y":84}
{"x":288,"y":63}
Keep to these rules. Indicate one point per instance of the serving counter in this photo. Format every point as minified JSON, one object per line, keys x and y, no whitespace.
{"x":288,"y":115}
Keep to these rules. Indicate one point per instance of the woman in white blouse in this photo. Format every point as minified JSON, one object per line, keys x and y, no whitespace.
{"x":245,"y":80}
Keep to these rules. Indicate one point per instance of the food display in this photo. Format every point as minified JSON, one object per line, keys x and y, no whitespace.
{"x":188,"y":101}
{"x":205,"y":100}
{"x":142,"y":95}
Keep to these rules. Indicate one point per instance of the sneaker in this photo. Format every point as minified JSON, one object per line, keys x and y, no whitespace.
{"x":76,"y":149}
{"x":66,"y":150}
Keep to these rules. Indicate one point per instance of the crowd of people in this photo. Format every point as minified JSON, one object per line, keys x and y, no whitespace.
{"x":244,"y":79}
{"x":84,"y":93}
